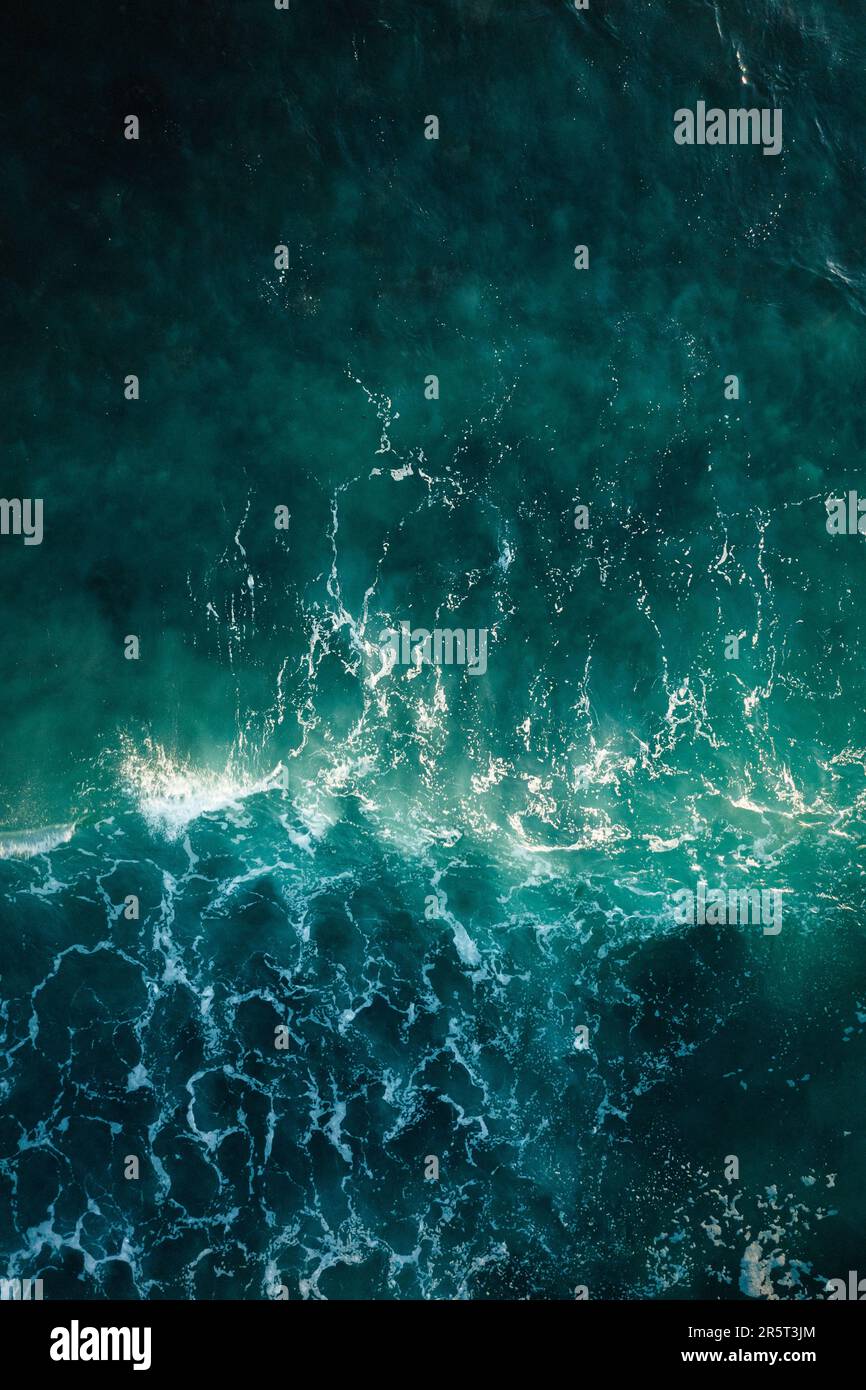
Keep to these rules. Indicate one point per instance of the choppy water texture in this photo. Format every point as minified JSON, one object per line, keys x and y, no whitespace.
{"x":433,"y":879}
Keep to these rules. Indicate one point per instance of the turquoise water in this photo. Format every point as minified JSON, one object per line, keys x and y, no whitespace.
{"x":434,"y":879}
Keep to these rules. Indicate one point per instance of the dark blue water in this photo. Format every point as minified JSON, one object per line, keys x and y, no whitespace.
{"x":506,"y":1070}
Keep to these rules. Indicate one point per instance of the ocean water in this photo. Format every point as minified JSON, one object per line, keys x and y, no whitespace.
{"x":454,"y":890}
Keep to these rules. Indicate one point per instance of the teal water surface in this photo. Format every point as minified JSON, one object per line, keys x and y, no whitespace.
{"x":434,"y":879}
